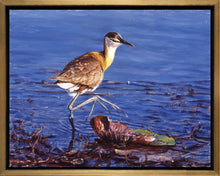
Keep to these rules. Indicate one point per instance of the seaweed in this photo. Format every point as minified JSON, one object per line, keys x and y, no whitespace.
{"x":33,"y":150}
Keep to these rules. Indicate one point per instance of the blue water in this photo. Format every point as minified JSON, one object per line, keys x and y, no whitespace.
{"x":171,"y":56}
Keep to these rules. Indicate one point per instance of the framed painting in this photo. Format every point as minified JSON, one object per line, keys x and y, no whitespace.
{"x":109,"y":88}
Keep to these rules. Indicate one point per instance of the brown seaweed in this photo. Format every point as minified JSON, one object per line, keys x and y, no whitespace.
{"x":33,"y":150}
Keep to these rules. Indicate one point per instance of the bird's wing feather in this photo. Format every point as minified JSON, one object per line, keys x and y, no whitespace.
{"x":84,"y":70}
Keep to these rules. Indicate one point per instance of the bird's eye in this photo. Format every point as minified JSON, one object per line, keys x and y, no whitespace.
{"x":115,"y":40}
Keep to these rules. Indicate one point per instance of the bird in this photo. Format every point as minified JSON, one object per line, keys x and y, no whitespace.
{"x":85,"y":73}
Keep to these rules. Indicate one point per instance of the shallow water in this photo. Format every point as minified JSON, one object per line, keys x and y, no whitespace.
{"x":163,"y":83}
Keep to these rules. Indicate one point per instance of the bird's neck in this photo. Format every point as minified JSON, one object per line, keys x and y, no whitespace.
{"x":109,"y":52}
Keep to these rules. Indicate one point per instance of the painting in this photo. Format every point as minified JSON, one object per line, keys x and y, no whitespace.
{"x":110,"y":88}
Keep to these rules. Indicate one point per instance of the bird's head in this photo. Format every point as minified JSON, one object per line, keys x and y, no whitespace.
{"x":113,"y":39}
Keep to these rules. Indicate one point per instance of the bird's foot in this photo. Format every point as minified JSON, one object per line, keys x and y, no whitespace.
{"x":98,"y":99}
{"x":114,"y":106}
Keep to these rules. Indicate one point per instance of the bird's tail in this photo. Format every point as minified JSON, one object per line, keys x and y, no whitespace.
{"x":53,"y":78}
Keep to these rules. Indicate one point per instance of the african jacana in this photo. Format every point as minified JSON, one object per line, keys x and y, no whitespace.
{"x":85,"y":73}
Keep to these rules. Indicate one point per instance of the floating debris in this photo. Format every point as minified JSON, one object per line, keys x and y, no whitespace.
{"x":121,"y":134}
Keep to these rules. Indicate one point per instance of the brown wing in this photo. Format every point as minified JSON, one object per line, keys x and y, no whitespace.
{"x":84,"y":70}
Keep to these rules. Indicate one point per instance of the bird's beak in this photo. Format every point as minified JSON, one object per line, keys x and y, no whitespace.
{"x":125,"y":42}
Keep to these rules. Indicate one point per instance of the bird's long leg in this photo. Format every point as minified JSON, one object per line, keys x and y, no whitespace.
{"x":70,"y":106}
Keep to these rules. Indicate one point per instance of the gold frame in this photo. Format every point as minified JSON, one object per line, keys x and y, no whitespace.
{"x":81,"y":172}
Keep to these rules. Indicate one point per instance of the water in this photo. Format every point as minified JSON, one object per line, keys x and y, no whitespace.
{"x":162,"y":84}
